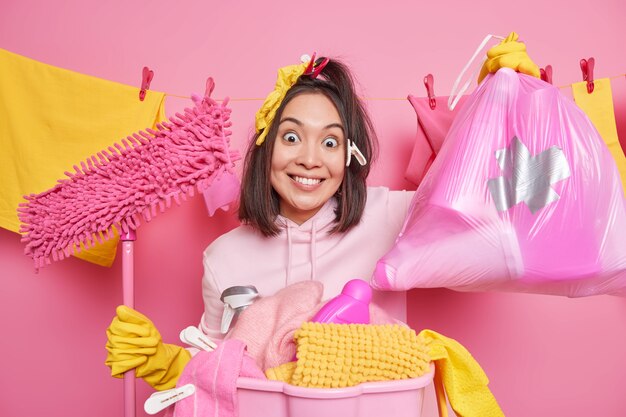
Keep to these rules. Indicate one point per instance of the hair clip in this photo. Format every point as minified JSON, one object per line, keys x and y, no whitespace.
{"x":315,"y":66}
{"x":352,"y":149}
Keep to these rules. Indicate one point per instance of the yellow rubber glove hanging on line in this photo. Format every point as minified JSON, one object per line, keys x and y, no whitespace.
{"x":134,"y":343}
{"x":509,"y":54}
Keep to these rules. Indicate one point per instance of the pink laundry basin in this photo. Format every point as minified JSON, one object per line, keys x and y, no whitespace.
{"x":404,"y":398}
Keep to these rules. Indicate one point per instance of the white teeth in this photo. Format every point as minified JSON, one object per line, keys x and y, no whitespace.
{"x":306,"y":181}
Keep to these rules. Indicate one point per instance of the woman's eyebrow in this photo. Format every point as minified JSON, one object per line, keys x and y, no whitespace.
{"x":339,"y":125}
{"x":293,"y":120}
{"x":299,"y":123}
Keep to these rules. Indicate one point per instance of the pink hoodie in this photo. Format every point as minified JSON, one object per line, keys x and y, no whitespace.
{"x":303,"y":252}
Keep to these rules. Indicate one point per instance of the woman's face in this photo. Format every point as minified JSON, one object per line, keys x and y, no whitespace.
{"x":308,"y":161}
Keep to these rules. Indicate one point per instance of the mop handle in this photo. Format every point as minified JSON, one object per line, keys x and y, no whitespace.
{"x":128,"y":294}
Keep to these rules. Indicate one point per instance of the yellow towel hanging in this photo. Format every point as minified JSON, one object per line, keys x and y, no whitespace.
{"x":51,"y":119}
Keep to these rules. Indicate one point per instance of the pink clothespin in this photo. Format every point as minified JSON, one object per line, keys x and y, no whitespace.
{"x":429,"y":82}
{"x":546,"y":74}
{"x":586,"y":65}
{"x":210,"y":86}
{"x":146,"y":78}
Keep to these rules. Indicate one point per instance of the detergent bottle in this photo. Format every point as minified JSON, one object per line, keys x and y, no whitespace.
{"x":351,"y":306}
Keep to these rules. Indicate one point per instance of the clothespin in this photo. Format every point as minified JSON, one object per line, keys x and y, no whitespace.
{"x":194,"y":337}
{"x":429,"y":82}
{"x":546,"y":74}
{"x":146,"y":78}
{"x":210,"y":85}
{"x":586,"y":65}
{"x":160,"y":400}
{"x":315,"y":66}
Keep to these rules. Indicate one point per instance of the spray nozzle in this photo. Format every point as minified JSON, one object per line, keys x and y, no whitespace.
{"x":235,"y":300}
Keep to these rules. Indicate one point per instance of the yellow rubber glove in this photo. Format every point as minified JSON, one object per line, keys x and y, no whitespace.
{"x":134,"y":343}
{"x":509,"y":54}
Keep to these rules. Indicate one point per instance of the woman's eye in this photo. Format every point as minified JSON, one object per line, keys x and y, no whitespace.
{"x":331,"y":142}
{"x":291,"y":137}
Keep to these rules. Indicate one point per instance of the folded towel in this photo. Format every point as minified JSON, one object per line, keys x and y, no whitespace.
{"x":343,"y":355}
{"x":268,"y":325}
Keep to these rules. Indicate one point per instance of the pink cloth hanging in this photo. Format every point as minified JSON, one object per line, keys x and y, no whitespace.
{"x":432,"y":128}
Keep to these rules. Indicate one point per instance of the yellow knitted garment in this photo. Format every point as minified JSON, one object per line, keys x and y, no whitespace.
{"x":342,"y":355}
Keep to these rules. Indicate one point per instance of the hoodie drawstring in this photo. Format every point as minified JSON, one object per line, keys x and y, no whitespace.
{"x":313,"y":251}
{"x":313,"y":247}
{"x":289,"y":245}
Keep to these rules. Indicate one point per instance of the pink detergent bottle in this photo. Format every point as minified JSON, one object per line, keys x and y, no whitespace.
{"x":351,"y":306}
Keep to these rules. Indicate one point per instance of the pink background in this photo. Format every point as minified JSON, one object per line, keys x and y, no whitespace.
{"x":545,"y":356}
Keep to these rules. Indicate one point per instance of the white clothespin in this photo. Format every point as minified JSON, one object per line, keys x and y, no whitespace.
{"x":351,"y":150}
{"x":194,"y":337}
{"x":162,"y":399}
{"x":236,"y":299}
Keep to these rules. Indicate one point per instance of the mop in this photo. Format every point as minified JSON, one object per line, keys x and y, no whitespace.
{"x":128,"y":183}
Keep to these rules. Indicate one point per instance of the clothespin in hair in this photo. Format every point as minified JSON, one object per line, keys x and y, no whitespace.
{"x":546,"y":74}
{"x":429,"y":82}
{"x":586,"y":65}
{"x":315,"y":66}
{"x":146,"y":78}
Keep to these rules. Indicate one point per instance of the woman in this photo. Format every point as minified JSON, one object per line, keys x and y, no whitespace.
{"x":305,"y":207}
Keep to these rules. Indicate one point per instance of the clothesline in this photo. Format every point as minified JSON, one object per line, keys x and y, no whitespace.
{"x":364,"y":98}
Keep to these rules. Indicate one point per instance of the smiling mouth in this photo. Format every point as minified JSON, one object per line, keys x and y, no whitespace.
{"x":306,"y":181}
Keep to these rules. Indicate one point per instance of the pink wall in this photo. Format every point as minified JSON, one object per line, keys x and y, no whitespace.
{"x":545,"y":356}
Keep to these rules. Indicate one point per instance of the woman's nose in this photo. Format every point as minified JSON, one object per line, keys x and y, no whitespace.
{"x":309,"y":155}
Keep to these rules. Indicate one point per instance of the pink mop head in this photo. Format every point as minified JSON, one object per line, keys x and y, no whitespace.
{"x":127,"y":182}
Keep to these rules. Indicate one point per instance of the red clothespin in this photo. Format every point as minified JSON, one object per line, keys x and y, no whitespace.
{"x":429,"y":82}
{"x":546,"y":74}
{"x":146,"y":78}
{"x":586,"y":65}
{"x":315,"y":66}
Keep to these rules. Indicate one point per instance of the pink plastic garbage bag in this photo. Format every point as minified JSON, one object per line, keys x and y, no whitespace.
{"x":523,"y":196}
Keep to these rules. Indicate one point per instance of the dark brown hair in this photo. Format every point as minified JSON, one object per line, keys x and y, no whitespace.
{"x":259,"y":204}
